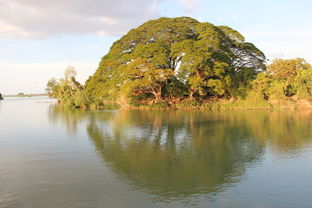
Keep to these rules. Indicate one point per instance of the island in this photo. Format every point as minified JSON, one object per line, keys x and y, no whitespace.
{"x":1,"y":98}
{"x":181,"y":63}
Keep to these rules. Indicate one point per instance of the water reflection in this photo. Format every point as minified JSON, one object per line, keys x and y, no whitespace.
{"x":181,"y":154}
{"x":71,"y":118}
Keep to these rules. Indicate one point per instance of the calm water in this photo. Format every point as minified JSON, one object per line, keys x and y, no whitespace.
{"x":56,"y":158}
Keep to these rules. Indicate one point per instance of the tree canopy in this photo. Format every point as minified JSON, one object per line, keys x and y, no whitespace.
{"x":176,"y":57}
{"x":287,"y":69}
{"x":285,"y":78}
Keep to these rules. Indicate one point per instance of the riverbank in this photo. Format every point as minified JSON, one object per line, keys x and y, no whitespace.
{"x":211,"y":104}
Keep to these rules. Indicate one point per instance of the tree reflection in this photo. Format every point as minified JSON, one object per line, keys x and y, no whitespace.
{"x":174,"y":154}
{"x":181,"y":154}
{"x":68,"y":117}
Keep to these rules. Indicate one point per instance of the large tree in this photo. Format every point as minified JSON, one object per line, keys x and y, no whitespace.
{"x":202,"y":59}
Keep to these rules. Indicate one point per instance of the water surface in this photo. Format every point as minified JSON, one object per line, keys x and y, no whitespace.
{"x":55,"y":158}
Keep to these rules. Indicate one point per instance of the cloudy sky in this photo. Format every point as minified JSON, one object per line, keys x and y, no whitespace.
{"x":40,"y":38}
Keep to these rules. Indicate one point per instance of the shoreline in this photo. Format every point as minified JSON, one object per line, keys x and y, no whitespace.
{"x":26,"y":95}
{"x":242,"y":105}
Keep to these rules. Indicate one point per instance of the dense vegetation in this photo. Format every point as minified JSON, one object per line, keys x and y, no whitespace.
{"x":181,"y":62}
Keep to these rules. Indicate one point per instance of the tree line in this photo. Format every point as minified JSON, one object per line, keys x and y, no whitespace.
{"x":182,"y":62}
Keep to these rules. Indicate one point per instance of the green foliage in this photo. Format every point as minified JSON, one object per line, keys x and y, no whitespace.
{"x":183,"y":63}
{"x":69,"y":91}
{"x":142,"y":77}
{"x":171,"y":58}
{"x":285,"y":79}
{"x":287,"y":69}
{"x":52,"y":88}
{"x":261,"y":85}
{"x":303,"y":83}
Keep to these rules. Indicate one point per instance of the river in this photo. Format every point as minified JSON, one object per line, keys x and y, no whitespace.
{"x":56,"y":158}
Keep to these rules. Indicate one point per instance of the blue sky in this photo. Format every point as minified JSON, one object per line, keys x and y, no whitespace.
{"x":39,"y":39}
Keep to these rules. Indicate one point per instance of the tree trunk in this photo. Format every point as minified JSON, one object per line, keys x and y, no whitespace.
{"x":157,"y":93}
{"x":158,"y":97}
{"x":191,"y":96}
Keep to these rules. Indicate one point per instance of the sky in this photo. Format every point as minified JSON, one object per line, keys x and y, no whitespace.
{"x":39,"y":39}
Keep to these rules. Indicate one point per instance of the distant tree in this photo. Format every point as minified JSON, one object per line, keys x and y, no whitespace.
{"x":51,"y":87}
{"x":68,"y":90}
{"x":287,"y":69}
{"x":70,"y":73}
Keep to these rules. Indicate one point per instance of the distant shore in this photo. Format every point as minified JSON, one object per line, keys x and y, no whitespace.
{"x":26,"y":95}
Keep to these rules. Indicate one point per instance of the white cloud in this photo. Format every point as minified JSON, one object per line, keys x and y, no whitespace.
{"x":32,"y":78}
{"x":38,"y":18}
{"x":190,"y":5}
